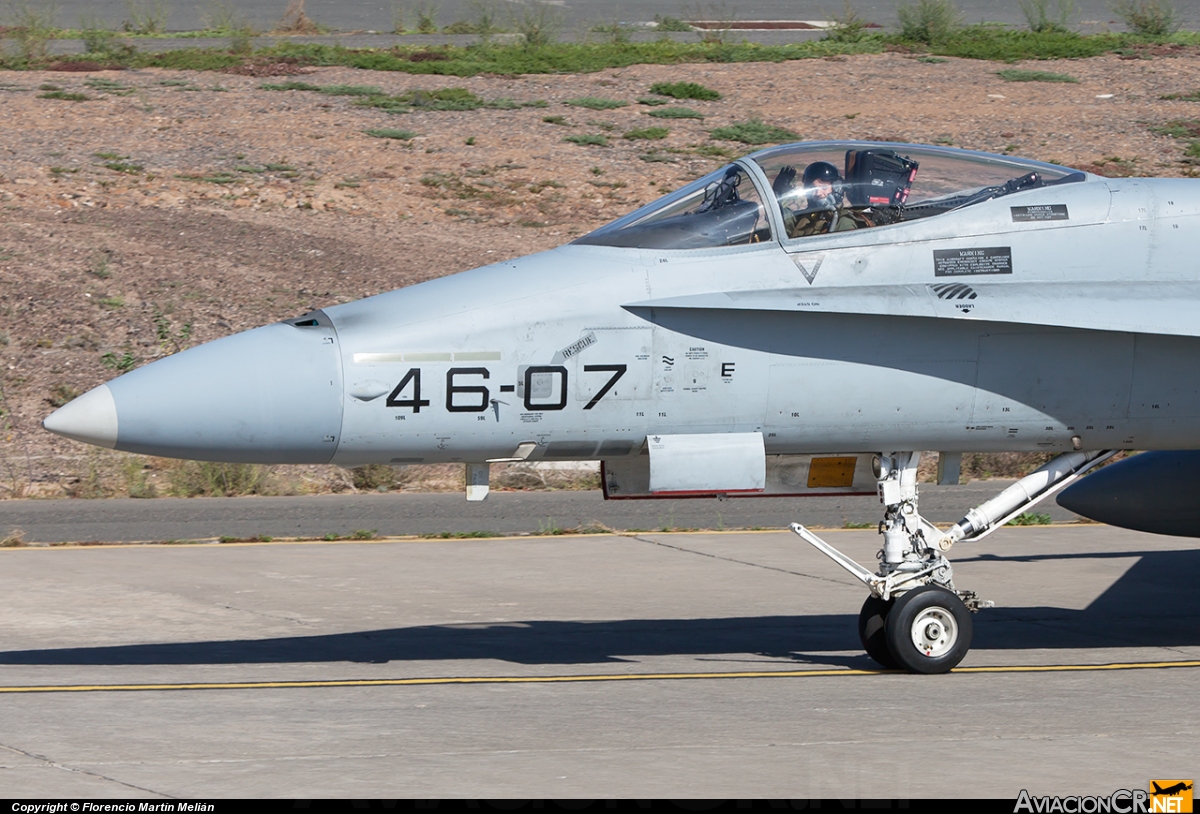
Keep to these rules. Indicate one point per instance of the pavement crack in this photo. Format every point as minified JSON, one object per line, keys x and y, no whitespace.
{"x":740,"y":562}
{"x":275,"y":617}
{"x":54,"y":764}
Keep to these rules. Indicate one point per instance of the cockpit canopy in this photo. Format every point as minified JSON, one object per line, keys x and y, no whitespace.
{"x":823,"y":187}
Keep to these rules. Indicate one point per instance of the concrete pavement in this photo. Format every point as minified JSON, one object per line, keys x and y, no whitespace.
{"x":782,"y":710}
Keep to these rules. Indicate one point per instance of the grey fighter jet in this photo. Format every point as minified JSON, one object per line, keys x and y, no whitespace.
{"x":800,"y":322}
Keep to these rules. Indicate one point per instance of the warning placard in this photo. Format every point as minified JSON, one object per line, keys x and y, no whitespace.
{"x":1028,"y":214}
{"x":966,"y":262}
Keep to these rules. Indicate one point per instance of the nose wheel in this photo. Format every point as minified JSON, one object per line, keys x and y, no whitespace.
{"x":928,"y":630}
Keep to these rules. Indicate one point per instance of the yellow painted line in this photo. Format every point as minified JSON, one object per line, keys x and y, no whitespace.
{"x":567,"y":679}
{"x":1064,"y":668}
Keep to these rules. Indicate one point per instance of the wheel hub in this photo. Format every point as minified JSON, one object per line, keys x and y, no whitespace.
{"x":934,"y":632}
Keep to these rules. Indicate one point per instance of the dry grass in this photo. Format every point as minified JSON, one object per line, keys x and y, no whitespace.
{"x":295,"y":21}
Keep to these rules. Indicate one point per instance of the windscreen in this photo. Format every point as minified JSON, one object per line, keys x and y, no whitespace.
{"x":721,"y":209}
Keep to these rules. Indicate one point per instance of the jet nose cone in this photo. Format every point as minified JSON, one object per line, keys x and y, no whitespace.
{"x":91,"y":418}
{"x":271,"y":395}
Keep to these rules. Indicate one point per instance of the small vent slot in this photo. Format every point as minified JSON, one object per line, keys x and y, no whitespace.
{"x":313,"y":319}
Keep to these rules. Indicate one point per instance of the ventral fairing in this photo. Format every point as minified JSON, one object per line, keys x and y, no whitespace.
{"x":800,"y":322}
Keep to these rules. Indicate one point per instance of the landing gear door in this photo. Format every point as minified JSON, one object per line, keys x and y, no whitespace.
{"x":712,"y":462}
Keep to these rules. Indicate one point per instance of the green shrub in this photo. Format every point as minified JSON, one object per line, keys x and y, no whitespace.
{"x":1150,"y":18}
{"x":650,"y":101}
{"x":990,"y":42}
{"x":685,"y":90}
{"x":1015,"y":75}
{"x":349,"y":90}
{"x":592,"y":139}
{"x":209,"y":479}
{"x":648,"y":133}
{"x":618,"y":34}
{"x":241,"y":40}
{"x":62,"y":393}
{"x":1180,"y":128}
{"x":188,"y":59}
{"x":486,"y":23}
{"x":137,"y":480}
{"x":290,"y":85}
{"x":674,"y":113}
{"x":376,"y":477}
{"x":387,"y":132}
{"x":371,"y":96}
{"x":753,"y":132}
{"x":220,"y":17}
{"x":122,"y":363}
{"x":149,"y":17}
{"x":929,"y":21}
{"x":426,"y":18}
{"x":537,"y":21}
{"x":667,"y":23}
{"x":67,"y":96}
{"x":1042,"y":20}
{"x":108,"y":86}
{"x":32,"y":28}
{"x":1030,"y":519}
{"x":847,"y":26}
{"x":96,"y":38}
{"x":596,"y":103}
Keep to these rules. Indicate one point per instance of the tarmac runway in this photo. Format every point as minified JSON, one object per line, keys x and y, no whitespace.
{"x":406,"y":513}
{"x":665,"y":665}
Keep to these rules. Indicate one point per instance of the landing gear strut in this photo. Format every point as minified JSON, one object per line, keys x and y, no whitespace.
{"x":915,"y":619}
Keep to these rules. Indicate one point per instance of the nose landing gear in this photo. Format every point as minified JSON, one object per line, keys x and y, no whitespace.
{"x":915,"y":619}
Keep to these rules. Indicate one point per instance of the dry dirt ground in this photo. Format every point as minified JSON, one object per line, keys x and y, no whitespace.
{"x":185,"y":206}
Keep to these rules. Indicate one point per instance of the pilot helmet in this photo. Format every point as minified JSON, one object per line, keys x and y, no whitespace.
{"x":822,"y":171}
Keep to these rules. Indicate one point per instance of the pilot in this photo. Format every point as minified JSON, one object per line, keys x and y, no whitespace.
{"x":822,"y":208}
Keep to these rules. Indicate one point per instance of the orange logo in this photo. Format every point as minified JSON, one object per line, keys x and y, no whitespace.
{"x":1170,"y":796}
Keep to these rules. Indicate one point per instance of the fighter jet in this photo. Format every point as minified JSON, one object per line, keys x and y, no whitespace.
{"x":800,"y":322}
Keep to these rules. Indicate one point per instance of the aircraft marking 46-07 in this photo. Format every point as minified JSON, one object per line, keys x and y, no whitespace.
{"x":475,"y":397}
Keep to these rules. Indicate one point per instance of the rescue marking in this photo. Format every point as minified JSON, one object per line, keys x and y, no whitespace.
{"x":567,"y":679}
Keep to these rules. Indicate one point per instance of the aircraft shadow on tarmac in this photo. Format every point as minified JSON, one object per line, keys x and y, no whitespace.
{"x":1152,"y":604}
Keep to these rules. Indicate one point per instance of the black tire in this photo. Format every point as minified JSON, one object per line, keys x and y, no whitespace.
{"x":928,"y":630}
{"x":872,"y":631}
